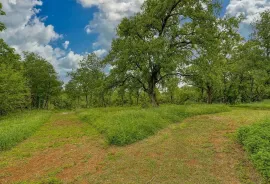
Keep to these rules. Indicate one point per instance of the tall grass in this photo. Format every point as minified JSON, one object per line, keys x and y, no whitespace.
{"x":264,"y":105}
{"x":122,"y":126}
{"x":15,"y":128}
{"x":256,"y":141}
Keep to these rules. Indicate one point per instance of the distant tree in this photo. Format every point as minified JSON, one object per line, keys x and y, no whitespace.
{"x":42,"y":80}
{"x":74,"y":91}
{"x":249,"y":73}
{"x":89,"y":78}
{"x":262,"y":32}
{"x":14,"y":93}
{"x":2,"y":25}
{"x":261,"y":36}
{"x":211,"y":65}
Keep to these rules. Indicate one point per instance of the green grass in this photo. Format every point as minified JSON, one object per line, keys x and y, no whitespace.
{"x":17,"y":127}
{"x":264,"y":105}
{"x":256,"y":141}
{"x":122,"y":126}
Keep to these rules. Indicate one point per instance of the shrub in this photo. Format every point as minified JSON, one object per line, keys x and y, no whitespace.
{"x":256,"y":141}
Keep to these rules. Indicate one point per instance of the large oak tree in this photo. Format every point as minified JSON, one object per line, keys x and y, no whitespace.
{"x":157,"y":42}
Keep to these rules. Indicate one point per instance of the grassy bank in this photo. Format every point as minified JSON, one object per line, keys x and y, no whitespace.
{"x":256,"y":141}
{"x":122,"y":126}
{"x":18,"y":127}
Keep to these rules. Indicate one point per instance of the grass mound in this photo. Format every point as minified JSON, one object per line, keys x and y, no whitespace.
{"x":18,"y":127}
{"x":264,"y":105}
{"x":256,"y":141}
{"x":122,"y":126}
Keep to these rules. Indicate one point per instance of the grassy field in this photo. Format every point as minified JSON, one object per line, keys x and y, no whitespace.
{"x":198,"y":149}
{"x":265,"y":105}
{"x":18,"y":127}
{"x":122,"y":126}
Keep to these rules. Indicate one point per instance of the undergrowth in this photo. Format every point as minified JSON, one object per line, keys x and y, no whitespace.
{"x":256,"y":141}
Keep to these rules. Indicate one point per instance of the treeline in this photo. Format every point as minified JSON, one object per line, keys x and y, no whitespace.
{"x":173,"y":51}
{"x":179,"y":52}
{"x":25,"y":82}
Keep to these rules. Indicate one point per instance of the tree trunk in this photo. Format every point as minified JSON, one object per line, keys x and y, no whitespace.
{"x":251,"y":90}
{"x":153,"y":80}
{"x":202,"y":92}
{"x":153,"y":98}
{"x":209,"y":94}
{"x":86,"y":100}
{"x":137,"y":97}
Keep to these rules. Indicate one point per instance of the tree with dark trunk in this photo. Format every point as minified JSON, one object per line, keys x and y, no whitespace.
{"x":153,"y":45}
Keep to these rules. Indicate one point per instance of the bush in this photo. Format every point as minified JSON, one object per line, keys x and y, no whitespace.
{"x":256,"y":141}
{"x":17,"y":127}
{"x":122,"y":126}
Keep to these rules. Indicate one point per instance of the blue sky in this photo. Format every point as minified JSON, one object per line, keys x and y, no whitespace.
{"x":63,"y":31}
{"x":70,"y":22}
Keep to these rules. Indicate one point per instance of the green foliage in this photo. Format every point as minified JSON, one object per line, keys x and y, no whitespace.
{"x":42,"y":80}
{"x":87,"y":81}
{"x":154,"y":44}
{"x":15,"y":128}
{"x":62,"y":102}
{"x":183,"y":95}
{"x":14,"y":93}
{"x":256,"y":141}
{"x":2,"y":26}
{"x":122,"y":126}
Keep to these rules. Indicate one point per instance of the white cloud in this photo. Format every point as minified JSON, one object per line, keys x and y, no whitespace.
{"x":100,"y":52}
{"x":105,"y":21}
{"x":26,"y":32}
{"x":250,"y":9}
{"x":66,"y":44}
{"x":70,"y":61}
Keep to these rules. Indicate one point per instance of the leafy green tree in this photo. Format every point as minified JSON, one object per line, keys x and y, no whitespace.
{"x":42,"y":80}
{"x":261,"y":35}
{"x":74,"y":92}
{"x":262,"y":31}
{"x":154,"y":44}
{"x":250,"y":74}
{"x":2,"y":26}
{"x":89,"y":79}
{"x":211,"y":65}
{"x":13,"y":89}
{"x":14,"y":93}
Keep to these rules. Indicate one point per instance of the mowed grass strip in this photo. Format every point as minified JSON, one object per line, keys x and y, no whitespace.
{"x":122,"y":126}
{"x":256,"y":141}
{"x":15,"y":128}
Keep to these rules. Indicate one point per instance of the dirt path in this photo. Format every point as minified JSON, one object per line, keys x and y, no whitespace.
{"x":202,"y":149}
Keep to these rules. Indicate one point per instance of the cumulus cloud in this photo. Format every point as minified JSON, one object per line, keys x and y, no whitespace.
{"x":250,"y":9}
{"x":100,"y":52}
{"x":26,"y":32}
{"x":105,"y":21}
{"x":66,"y":44}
